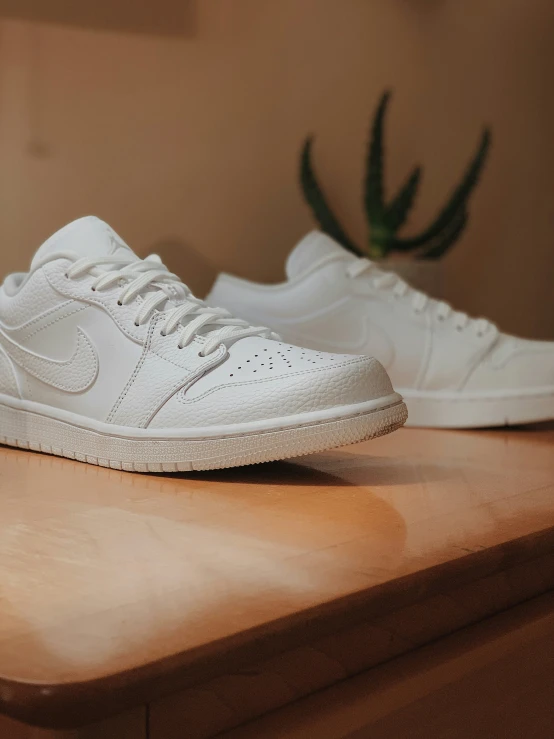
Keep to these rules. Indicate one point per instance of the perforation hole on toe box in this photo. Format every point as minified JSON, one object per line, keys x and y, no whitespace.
{"x":278,"y":359}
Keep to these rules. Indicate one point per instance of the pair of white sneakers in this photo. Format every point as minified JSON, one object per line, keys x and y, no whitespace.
{"x":109,"y":359}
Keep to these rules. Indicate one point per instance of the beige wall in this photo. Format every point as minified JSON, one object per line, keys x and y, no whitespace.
{"x":195,"y":139}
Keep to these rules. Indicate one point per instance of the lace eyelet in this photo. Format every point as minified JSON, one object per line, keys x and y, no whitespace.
{"x":120,"y":303}
{"x":93,"y":289}
{"x":137,"y":324}
{"x":163,"y":334}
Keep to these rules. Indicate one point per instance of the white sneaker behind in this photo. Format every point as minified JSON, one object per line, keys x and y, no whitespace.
{"x":109,"y":359}
{"x":453,"y":371}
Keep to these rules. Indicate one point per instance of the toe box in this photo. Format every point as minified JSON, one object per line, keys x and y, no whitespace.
{"x":263,"y":379}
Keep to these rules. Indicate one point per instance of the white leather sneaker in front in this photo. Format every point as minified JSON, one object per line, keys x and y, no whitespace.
{"x":109,"y":359}
{"x":453,"y":371}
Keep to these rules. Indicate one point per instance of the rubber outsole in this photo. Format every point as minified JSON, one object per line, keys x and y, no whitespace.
{"x":32,"y":431}
{"x":466,"y":412}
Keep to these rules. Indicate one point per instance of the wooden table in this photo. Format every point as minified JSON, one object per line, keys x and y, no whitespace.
{"x":181,"y":606}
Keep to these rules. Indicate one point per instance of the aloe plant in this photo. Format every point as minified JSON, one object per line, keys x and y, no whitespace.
{"x":386,"y":218}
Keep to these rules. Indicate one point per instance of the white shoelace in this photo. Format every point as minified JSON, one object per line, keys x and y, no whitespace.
{"x":420,"y":301}
{"x":163,"y":292}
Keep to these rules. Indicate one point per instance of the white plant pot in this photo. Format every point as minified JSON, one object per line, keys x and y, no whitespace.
{"x":424,"y":274}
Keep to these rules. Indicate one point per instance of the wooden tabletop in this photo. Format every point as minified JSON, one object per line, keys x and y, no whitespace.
{"x":116,"y":588}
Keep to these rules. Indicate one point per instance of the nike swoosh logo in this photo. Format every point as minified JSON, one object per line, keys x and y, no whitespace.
{"x":351,"y":332}
{"x":74,"y":375}
{"x":370,"y":340}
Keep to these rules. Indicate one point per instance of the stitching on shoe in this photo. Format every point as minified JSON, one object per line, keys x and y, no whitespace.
{"x":187,"y":401}
{"x":133,"y":377}
{"x":28,"y":324}
{"x":51,"y":323}
{"x":95,"y":301}
{"x":181,"y":384}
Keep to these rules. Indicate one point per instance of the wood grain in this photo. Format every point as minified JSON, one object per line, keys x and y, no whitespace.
{"x":119,"y":589}
{"x":238,"y":697}
{"x":489,"y":681}
{"x":129,"y":725}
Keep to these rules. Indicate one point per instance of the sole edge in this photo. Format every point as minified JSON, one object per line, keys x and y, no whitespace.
{"x":26,"y":430}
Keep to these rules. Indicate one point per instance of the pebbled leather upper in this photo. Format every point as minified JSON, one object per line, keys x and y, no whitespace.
{"x":8,"y":382}
{"x":514,"y":364}
{"x":268,"y":379}
{"x":114,"y":371}
{"x":321,"y":306}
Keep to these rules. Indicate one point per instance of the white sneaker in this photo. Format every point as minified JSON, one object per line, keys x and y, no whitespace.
{"x":453,"y":371}
{"x":109,"y":359}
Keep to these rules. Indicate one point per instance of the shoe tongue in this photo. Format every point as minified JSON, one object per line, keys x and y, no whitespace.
{"x":85,"y":237}
{"x":311,"y":250}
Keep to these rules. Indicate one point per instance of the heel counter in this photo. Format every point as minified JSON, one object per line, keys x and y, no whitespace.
{"x":8,"y":380}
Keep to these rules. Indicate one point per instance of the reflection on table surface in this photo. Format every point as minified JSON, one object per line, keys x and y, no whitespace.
{"x":102,"y":570}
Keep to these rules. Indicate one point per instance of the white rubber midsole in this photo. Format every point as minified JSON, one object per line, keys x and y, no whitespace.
{"x":159,"y":450}
{"x":478,"y":410}
{"x":207,"y":432}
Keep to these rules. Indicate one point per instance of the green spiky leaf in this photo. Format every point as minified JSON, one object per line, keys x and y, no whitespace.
{"x":458,"y":200}
{"x":440,"y":244}
{"x":318,"y":203}
{"x":373,"y":185}
{"x":448,"y":238}
{"x":397,"y":212}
